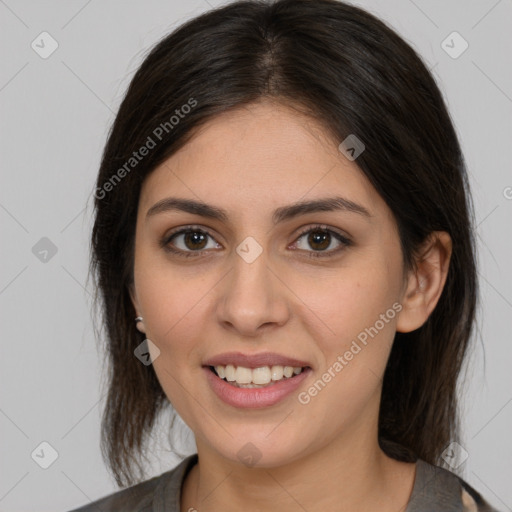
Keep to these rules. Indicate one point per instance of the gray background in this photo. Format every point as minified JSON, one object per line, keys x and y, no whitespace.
{"x":55,"y":116}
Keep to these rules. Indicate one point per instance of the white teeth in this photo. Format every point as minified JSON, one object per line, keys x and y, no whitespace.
{"x":230,"y":373}
{"x":243,"y":375}
{"x":261,"y":375}
{"x":257,"y":377}
{"x":277,"y":372}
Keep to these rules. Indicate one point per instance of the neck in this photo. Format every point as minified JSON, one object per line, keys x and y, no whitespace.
{"x":344,"y":475}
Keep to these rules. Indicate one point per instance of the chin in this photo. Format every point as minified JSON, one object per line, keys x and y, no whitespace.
{"x":257,"y":451}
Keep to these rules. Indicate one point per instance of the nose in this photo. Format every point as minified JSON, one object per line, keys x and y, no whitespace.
{"x":253,"y":299}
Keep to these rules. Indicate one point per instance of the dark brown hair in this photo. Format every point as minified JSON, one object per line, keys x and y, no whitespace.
{"x":351,"y":72}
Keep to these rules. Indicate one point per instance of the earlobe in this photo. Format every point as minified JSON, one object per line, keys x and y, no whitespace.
{"x":139,"y":321}
{"x":425,"y":283}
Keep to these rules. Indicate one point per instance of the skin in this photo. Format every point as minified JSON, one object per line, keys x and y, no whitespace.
{"x":250,"y":162}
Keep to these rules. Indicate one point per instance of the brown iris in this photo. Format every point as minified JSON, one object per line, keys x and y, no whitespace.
{"x":319,"y":239}
{"x":195,"y":237}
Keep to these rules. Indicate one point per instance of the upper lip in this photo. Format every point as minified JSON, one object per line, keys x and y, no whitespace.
{"x":254,"y":360}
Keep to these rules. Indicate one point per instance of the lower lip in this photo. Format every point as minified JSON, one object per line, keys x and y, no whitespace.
{"x":253,"y":398}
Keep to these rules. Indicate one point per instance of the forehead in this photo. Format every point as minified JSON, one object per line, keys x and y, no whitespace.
{"x":259,"y":157}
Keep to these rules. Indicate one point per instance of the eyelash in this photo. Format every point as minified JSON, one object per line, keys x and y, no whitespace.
{"x":312,"y":254}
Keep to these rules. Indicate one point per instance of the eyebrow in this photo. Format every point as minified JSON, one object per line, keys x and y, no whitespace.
{"x":280,"y":214}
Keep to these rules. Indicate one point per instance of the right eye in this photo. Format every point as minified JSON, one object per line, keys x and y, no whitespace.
{"x":187,"y":242}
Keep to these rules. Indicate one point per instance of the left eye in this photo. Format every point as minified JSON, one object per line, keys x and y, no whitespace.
{"x":321,"y":239}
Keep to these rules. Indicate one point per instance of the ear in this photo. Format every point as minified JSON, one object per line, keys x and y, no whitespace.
{"x":133,"y":296}
{"x":425,"y":282}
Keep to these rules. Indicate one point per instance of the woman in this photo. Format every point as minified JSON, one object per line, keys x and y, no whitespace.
{"x":285,"y":257}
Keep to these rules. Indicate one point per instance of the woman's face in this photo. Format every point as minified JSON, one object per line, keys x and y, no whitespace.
{"x":255,"y":283}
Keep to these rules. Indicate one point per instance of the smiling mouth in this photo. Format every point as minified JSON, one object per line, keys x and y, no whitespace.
{"x":262,"y":377}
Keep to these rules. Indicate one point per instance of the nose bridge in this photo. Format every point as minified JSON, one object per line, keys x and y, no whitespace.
{"x":251,"y":296}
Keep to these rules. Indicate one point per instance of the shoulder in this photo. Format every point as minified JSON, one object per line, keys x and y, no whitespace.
{"x":154,"y":495}
{"x":472,"y":501}
{"x":436,"y":488}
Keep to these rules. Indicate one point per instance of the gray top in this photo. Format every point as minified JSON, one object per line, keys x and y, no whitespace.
{"x":435,"y":490}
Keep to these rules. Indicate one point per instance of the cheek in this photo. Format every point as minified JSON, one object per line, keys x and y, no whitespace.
{"x":361,"y":320}
{"x":172,"y":304}
{"x":350,"y":300}
{"x":354,"y":336}
{"x":166,"y":292}
{"x":172,"y":309}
